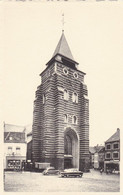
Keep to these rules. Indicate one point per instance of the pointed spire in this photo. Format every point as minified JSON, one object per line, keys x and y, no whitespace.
{"x":63,"y":48}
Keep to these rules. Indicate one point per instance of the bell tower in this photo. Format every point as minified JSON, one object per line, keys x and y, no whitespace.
{"x":61,"y":113}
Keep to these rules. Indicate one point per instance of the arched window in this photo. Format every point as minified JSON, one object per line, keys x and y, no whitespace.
{"x":65,"y":118}
{"x":75,"y":97}
{"x":66,"y":94}
{"x":44,"y":98}
{"x":68,"y":145}
{"x":74,"y":121}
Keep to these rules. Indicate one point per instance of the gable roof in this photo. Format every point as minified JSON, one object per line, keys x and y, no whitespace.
{"x":13,"y":128}
{"x":95,"y":149}
{"x":101,"y":149}
{"x":63,"y":48}
{"x":98,"y":148}
{"x":114,"y":137}
{"x":14,"y":137}
{"x":92,"y":150}
{"x":29,"y":134}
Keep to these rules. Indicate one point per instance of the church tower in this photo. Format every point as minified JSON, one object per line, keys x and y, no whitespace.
{"x":60,"y":133}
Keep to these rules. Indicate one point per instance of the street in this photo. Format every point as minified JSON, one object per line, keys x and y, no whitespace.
{"x":37,"y":182}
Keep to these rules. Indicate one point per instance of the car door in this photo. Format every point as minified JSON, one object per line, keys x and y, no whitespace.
{"x":52,"y":171}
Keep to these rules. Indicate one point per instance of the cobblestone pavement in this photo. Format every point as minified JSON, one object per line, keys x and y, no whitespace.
{"x":36,"y":182}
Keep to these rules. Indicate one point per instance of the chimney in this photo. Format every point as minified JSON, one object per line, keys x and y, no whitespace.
{"x":118,"y":129}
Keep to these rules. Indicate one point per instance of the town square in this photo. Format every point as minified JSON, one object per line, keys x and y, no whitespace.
{"x":62,"y":115}
{"x":37,"y":182}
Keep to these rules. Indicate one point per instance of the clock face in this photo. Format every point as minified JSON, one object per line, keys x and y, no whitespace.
{"x":75,"y":75}
{"x":65,"y":71}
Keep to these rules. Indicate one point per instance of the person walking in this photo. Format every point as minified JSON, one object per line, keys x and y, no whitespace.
{"x":101,"y":170}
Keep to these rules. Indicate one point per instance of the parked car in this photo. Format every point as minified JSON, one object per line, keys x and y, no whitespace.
{"x":71,"y":173}
{"x":50,"y":170}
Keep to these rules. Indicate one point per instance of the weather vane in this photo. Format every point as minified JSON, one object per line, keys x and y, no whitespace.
{"x":63,"y":22}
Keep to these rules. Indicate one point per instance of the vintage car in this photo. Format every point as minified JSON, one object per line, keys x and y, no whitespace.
{"x":71,"y":173}
{"x":50,"y":170}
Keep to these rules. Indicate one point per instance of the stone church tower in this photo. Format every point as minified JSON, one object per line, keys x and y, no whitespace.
{"x":60,"y":133}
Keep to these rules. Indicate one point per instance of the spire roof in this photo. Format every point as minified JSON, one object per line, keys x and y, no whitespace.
{"x":115,"y":136}
{"x":63,"y":48}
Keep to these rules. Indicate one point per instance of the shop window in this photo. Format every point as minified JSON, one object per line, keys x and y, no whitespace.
{"x":116,"y":146}
{"x":115,"y":155}
{"x":108,"y":147}
{"x":14,"y":164}
{"x":66,"y":94}
{"x":75,"y":97}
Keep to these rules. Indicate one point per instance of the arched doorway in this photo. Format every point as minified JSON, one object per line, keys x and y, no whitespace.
{"x":71,"y":149}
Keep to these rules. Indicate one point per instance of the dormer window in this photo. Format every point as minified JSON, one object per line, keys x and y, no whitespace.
{"x":66,"y":94}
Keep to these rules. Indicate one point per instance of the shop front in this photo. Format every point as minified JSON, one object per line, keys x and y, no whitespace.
{"x":15,"y":162}
{"x":112,"y":166}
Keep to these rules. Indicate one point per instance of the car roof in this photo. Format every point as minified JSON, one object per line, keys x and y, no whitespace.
{"x":50,"y":168}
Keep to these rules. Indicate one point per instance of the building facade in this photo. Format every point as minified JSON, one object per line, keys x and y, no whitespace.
{"x":101,"y":155}
{"x":112,"y":152}
{"x":29,"y":147}
{"x":98,"y":157}
{"x":14,"y":147}
{"x":92,"y":151}
{"x":60,"y":132}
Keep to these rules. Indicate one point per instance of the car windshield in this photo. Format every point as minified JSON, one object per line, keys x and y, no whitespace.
{"x":50,"y":168}
{"x":71,"y":170}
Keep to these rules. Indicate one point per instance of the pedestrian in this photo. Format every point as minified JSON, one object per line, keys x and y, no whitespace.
{"x":101,"y":170}
{"x":22,"y":168}
{"x":107,"y":171}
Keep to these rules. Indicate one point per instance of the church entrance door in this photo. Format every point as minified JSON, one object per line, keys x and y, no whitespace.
{"x":71,"y":149}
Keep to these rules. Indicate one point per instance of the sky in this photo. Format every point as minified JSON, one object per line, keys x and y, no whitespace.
{"x":94,"y":33}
